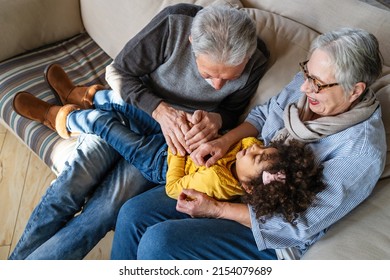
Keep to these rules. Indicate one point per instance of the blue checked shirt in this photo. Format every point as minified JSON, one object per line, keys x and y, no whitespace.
{"x":353,"y":161}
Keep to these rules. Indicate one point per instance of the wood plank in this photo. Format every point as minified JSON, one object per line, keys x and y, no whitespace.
{"x":38,"y":178}
{"x":2,"y":127}
{"x":4,"y":251}
{"x":14,"y":158}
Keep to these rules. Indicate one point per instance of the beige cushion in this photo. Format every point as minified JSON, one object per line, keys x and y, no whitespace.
{"x":111,"y":26}
{"x":323,"y":16}
{"x":25,"y":25}
{"x":362,"y":234}
{"x":382,"y":88}
{"x":288,"y":43}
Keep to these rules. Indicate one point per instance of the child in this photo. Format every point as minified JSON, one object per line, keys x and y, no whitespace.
{"x":280,"y":178}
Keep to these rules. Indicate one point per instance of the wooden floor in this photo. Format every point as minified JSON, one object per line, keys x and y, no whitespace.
{"x":24,"y":178}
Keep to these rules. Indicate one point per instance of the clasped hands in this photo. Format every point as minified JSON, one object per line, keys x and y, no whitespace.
{"x":185,"y":133}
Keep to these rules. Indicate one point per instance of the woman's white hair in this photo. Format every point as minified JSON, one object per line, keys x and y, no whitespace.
{"x":355,"y":54}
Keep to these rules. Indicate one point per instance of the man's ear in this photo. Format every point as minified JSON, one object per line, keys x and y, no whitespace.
{"x":190,"y":38}
{"x":357,"y":91}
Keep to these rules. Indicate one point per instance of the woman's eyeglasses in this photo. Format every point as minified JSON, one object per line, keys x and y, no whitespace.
{"x":315,"y":85}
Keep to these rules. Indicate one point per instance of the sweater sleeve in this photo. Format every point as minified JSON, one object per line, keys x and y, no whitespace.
{"x":141,"y":56}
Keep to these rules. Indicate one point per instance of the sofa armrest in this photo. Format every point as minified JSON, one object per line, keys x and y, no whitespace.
{"x":26,"y":25}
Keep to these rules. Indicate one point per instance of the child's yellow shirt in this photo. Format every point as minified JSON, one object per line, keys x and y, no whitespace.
{"x":216,"y":181}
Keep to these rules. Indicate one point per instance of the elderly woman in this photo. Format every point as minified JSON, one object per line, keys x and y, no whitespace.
{"x":328,"y":105}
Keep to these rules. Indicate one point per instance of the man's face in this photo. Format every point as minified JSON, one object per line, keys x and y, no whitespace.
{"x":218,"y":74}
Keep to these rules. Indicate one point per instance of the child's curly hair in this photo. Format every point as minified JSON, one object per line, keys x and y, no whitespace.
{"x":303,"y":181}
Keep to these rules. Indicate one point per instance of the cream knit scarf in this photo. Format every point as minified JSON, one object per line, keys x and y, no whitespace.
{"x":299,"y":126}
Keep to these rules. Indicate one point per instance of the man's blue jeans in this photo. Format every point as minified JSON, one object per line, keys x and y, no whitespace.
{"x":149,"y":227}
{"x":130,"y":131}
{"x":94,"y":184}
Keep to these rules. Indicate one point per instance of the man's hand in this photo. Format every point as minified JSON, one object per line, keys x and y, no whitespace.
{"x":174,"y":126}
{"x":204,"y":127}
{"x":198,"y":205}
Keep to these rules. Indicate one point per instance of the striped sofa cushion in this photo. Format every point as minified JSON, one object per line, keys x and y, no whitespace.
{"x":85,"y":63}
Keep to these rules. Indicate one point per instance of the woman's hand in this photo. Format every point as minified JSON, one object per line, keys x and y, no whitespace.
{"x":204,"y":127}
{"x":208,"y":153}
{"x":199,"y":205}
{"x":174,"y":126}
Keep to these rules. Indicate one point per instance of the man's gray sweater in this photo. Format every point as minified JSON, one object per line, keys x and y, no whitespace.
{"x":158,"y":65}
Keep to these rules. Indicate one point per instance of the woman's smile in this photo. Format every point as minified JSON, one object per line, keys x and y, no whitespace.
{"x":312,"y":101}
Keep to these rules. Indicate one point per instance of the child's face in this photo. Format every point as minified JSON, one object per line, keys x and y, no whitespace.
{"x":251,"y":162}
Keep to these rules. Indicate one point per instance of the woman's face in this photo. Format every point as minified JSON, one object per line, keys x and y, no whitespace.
{"x":329,"y":101}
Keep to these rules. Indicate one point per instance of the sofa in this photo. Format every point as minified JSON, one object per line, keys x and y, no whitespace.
{"x":85,"y":35}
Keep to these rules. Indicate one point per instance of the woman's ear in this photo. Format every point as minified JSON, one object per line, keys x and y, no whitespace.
{"x":358,"y":90}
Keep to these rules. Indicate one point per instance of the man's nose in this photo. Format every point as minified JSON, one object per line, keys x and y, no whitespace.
{"x":218,"y":83}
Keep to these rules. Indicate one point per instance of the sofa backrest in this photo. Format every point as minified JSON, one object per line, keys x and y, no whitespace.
{"x":322,"y":16}
{"x":112,"y":24}
{"x":26,"y":25}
